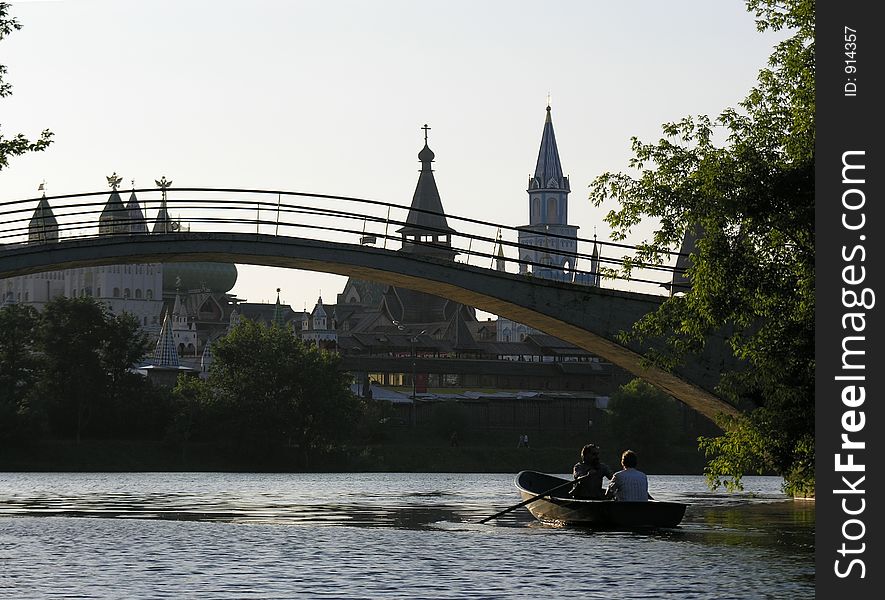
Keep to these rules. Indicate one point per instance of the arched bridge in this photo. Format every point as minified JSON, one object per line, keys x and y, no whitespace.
{"x":238,"y":232}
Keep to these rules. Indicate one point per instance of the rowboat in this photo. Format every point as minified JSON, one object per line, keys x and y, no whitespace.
{"x":559,"y":508}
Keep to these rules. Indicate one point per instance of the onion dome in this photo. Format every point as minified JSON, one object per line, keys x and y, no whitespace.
{"x":215,"y":276}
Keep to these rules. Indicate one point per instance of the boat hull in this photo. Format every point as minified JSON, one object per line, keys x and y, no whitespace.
{"x":560,"y":509}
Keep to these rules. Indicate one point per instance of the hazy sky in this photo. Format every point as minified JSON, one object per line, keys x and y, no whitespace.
{"x":330,"y":96}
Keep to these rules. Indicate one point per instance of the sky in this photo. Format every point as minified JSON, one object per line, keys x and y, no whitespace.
{"x":329,"y":97}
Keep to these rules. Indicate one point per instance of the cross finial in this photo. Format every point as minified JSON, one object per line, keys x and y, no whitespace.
{"x":426,"y":129}
{"x":133,"y":184}
{"x":42,"y":187}
{"x":548,"y":100}
{"x":114,"y":181}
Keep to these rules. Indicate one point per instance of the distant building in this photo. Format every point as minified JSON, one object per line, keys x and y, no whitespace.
{"x":133,"y":288}
{"x":196,"y":294}
{"x":411,"y":341}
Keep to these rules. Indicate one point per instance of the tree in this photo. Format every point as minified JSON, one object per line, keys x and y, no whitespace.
{"x":17,"y":144}
{"x":19,"y":366}
{"x":278,"y":392}
{"x":751,"y":200}
{"x":644,"y":419}
{"x":87,"y":353}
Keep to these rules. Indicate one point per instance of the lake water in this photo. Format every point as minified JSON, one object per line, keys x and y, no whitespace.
{"x":381,"y":535}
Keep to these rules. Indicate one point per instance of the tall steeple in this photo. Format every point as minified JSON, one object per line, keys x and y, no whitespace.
{"x":426,"y":230}
{"x":548,"y":244}
{"x":594,"y":264}
{"x":548,"y":169}
{"x":548,"y":187}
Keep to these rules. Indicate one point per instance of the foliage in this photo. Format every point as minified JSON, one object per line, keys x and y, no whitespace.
{"x":19,"y":365}
{"x":751,"y":202}
{"x":644,"y":419}
{"x":274,"y":391}
{"x":67,"y":370}
{"x":86,"y":353}
{"x":17,"y":144}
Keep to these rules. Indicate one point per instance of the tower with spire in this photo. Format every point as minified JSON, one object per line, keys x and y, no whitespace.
{"x":548,"y":244}
{"x":426,"y":230}
{"x":37,"y":289}
{"x":425,"y":233}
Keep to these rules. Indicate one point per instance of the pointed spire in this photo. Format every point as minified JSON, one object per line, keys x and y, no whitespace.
{"x":277,"y":318}
{"x":179,"y":310}
{"x":206,"y":357}
{"x":548,"y":169}
{"x":165,"y":354}
{"x":426,"y":220}
{"x":114,"y":217}
{"x":594,"y":263}
{"x":500,"y":258}
{"x":43,"y":226}
{"x":137,"y":223}
{"x":164,"y":223}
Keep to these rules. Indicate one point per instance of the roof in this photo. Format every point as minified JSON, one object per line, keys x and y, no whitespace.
{"x":548,"y":169}
{"x":137,"y":222}
{"x":426,"y":214}
{"x":165,"y":354}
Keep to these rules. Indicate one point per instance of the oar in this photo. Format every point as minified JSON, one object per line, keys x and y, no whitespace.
{"x":532,"y":499}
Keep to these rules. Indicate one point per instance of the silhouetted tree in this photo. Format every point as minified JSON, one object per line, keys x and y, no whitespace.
{"x":19,"y":370}
{"x":751,"y":200}
{"x":276,"y":391}
{"x":87,"y":353}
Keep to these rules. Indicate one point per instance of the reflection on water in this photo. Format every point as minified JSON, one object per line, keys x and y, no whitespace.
{"x":387,"y":529}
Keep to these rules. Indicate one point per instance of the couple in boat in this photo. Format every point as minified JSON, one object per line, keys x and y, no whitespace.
{"x":629,"y":484}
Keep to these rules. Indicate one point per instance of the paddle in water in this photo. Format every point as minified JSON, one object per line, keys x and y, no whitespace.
{"x":533,"y":498}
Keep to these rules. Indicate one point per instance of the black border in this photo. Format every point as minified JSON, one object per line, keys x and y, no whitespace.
{"x":847,"y":123}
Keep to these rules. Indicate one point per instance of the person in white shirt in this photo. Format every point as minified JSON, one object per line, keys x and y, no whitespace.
{"x":631,"y":484}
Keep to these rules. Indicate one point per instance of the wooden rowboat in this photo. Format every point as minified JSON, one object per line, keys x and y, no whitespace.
{"x":561,"y":509}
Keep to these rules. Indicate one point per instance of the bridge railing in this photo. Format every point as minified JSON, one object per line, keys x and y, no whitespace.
{"x":327,"y":218}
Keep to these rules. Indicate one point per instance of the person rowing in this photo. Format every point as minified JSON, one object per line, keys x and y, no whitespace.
{"x":588,"y":474}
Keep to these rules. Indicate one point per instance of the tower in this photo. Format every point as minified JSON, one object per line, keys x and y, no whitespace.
{"x":43,"y":226}
{"x":548,"y":244}
{"x":426,"y":230}
{"x":426,"y":233}
{"x":114,"y":217}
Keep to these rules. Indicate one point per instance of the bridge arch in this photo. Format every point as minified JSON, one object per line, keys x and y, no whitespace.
{"x":588,"y":317}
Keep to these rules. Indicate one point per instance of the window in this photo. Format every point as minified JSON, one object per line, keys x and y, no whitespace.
{"x":127,"y":293}
{"x":149,"y":294}
{"x":551,"y":210}
{"x":138,"y":293}
{"x":116,"y":292}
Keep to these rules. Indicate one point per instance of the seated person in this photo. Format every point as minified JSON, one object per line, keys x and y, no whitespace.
{"x":592,"y":471}
{"x":631,"y":484}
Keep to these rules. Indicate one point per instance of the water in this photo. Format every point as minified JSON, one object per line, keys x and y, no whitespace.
{"x":381,"y":535}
